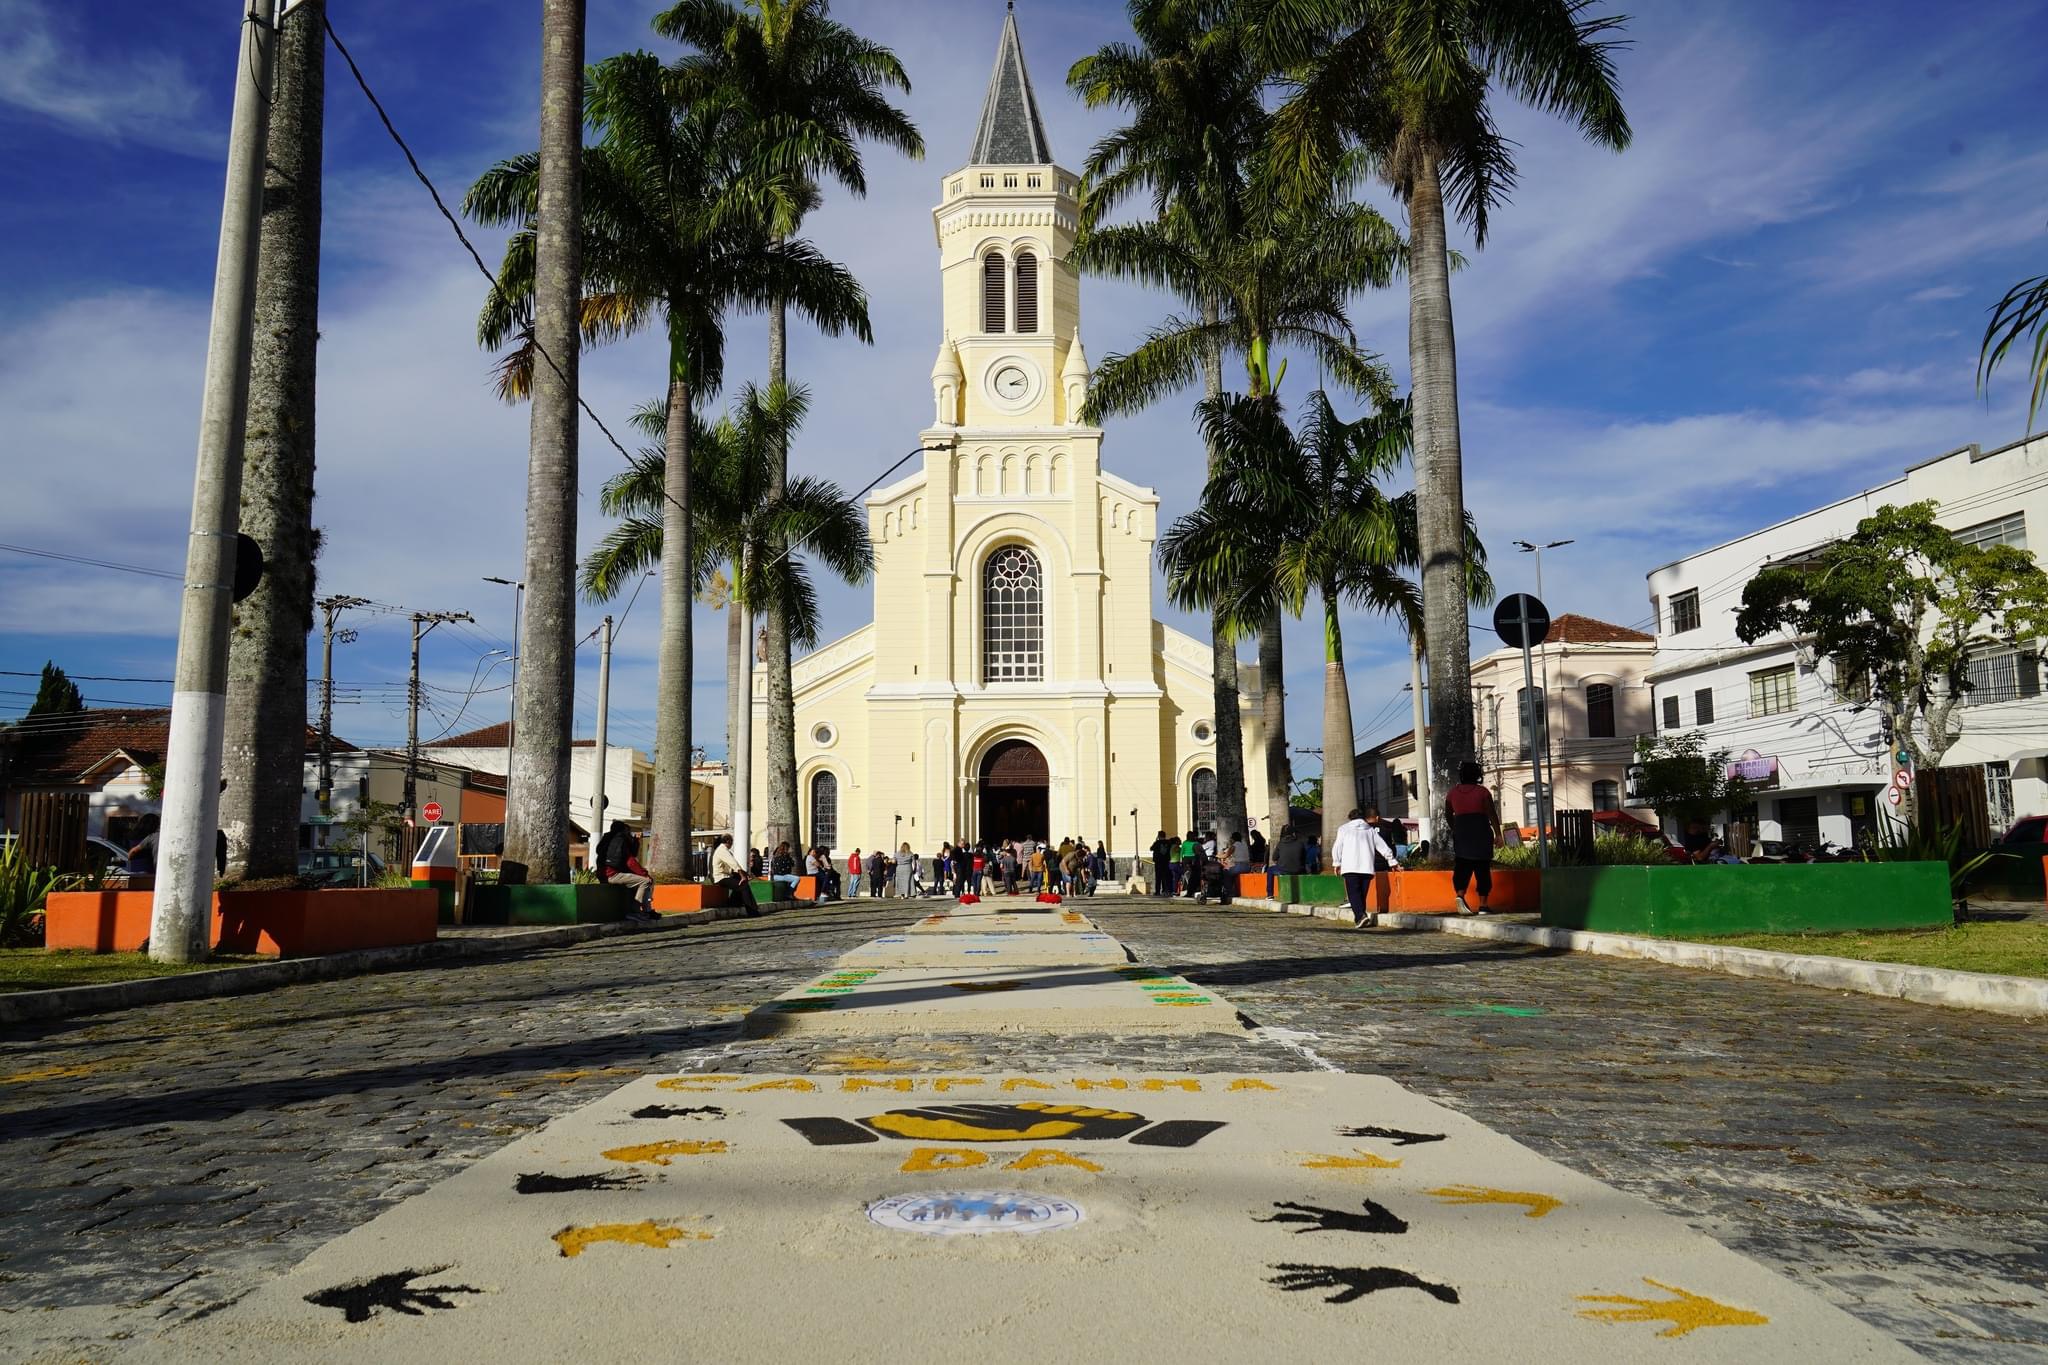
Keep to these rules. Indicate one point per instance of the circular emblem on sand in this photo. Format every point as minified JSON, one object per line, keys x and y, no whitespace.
{"x":948,"y":1213}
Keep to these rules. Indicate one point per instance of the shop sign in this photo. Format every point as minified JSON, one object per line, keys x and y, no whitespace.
{"x":1755,"y":769}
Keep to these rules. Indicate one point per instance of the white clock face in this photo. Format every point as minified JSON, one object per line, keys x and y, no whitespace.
{"x":1012,"y":383}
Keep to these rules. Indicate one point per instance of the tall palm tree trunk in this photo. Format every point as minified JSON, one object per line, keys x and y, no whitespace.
{"x":1273,"y":719}
{"x":1230,"y":800}
{"x":1340,"y":769}
{"x":676,"y":661}
{"x":1439,"y":478}
{"x":537,"y":795}
{"x":780,"y":748}
{"x":265,"y":749}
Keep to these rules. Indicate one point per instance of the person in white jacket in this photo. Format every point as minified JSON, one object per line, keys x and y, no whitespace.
{"x":1352,"y":853}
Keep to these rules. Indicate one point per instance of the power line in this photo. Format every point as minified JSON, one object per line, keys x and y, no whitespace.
{"x":94,"y":563}
{"x":420,"y":174}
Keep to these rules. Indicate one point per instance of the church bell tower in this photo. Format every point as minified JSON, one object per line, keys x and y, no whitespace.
{"x":1011,"y":356}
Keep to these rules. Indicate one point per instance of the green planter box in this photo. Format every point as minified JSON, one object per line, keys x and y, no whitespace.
{"x":1748,"y":898}
{"x":1319,"y":890}
{"x":573,"y":904}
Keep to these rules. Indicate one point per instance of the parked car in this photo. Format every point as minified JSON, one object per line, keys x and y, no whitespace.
{"x":2031,"y":829}
{"x":338,"y":866}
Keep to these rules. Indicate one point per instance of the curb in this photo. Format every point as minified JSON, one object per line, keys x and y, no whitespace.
{"x":2020,"y":996}
{"x":20,"y":1007}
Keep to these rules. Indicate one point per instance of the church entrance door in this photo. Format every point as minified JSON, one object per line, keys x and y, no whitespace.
{"x":1013,"y":785}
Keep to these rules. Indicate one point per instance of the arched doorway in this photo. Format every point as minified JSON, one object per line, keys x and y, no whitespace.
{"x":1013,"y":785}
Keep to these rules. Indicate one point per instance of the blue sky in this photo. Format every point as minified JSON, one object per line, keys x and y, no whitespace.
{"x":1771,"y":300}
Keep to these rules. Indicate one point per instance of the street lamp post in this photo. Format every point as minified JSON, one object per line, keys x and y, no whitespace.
{"x":1544,"y":789}
{"x":518,"y":610}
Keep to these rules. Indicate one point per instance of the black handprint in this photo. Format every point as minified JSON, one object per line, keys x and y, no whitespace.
{"x":1355,"y":1282}
{"x":664,"y":1111}
{"x":1374,"y":1219}
{"x":359,"y":1299}
{"x":543,"y":1183}
{"x":1396,"y":1136}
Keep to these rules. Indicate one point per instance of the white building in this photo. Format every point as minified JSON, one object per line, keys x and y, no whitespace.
{"x":1815,"y":755}
{"x":1015,"y":681}
{"x":628,"y":775}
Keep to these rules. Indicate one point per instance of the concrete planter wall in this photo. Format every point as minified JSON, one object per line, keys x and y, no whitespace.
{"x":1421,"y":891}
{"x":1754,"y":898}
{"x":678,"y":898}
{"x":266,"y":923}
{"x":569,"y":904}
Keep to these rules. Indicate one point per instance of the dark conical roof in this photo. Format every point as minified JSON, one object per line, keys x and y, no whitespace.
{"x":1010,"y":132}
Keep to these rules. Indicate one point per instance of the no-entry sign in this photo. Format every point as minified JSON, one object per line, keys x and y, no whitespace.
{"x":1521,"y":620}
{"x":431,"y":812}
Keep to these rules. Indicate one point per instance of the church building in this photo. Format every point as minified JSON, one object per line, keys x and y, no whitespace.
{"x":1015,"y":682}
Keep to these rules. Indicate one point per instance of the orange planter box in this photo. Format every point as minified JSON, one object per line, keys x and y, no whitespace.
{"x":1515,"y":890}
{"x":265,"y":923}
{"x":676,"y":898}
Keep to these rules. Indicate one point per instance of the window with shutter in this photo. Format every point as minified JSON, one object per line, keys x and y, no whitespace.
{"x":1600,"y":710}
{"x":1703,"y":706}
{"x":993,"y":312}
{"x":1671,"y":713}
{"x":1606,"y":796}
{"x":1027,"y":293}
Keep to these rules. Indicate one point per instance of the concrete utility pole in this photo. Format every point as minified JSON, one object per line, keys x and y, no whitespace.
{"x":1425,"y":821}
{"x":604,"y":697}
{"x":330,"y":607}
{"x":181,"y":916}
{"x":430,"y":619}
{"x":742,"y":755}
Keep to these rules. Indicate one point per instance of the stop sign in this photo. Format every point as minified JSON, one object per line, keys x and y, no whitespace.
{"x":431,"y":812}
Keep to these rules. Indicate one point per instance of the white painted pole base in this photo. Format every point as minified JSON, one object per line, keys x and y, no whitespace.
{"x":181,"y":915}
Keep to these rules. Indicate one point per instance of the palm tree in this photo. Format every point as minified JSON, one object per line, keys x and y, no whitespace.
{"x":1196,"y":122}
{"x":737,"y":526}
{"x":1406,"y":83}
{"x":2023,"y":309}
{"x":1284,"y":280}
{"x":1289,"y":514}
{"x":265,"y":741}
{"x":811,"y":89}
{"x":672,"y":230}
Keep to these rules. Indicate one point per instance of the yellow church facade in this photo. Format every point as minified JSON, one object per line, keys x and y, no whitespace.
{"x":1014,"y":681}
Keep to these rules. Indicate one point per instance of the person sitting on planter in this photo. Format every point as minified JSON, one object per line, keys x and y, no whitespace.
{"x":782,"y":872}
{"x":727,"y":872}
{"x":618,"y":864}
{"x":1474,"y":822}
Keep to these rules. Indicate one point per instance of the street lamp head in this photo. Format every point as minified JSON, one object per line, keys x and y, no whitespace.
{"x":508,"y":582}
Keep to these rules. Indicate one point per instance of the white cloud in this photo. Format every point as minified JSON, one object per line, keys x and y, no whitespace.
{"x":1939,"y":293}
{"x":63,"y":74}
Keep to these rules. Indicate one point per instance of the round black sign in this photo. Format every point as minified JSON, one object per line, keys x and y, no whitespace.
{"x":248,"y":566}
{"x":1513,"y":611}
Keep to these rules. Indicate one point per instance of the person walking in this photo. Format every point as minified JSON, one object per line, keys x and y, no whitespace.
{"x":618,"y":864}
{"x":1355,"y":852}
{"x":1474,"y":819}
{"x":875,"y":862}
{"x":856,"y":872}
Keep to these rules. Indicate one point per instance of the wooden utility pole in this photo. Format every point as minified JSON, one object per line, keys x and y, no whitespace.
{"x":181,"y":918}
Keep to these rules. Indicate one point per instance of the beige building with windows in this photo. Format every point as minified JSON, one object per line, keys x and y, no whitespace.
{"x":1017,"y":683}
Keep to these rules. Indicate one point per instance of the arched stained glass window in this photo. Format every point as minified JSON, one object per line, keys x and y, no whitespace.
{"x":1012,"y":617}
{"x":825,"y":811}
{"x":993,"y":313}
{"x":1027,"y":292}
{"x":1202,"y":799}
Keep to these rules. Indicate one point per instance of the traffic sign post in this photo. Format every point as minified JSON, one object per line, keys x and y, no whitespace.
{"x":1524,"y":621}
{"x":431,"y":812}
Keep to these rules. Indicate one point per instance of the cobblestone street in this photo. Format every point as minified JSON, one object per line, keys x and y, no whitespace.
{"x":1893,"y":1158}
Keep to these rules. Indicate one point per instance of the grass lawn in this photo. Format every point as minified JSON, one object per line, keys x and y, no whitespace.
{"x":34,"y":969}
{"x":2004,"y":949}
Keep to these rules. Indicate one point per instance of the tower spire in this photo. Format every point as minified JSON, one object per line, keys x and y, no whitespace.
{"x":1010,"y":132}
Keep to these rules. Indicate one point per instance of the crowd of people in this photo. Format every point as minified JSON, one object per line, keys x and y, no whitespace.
{"x":1026,"y":866}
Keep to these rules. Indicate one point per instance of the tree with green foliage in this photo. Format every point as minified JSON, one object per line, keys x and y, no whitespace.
{"x":738,"y":524}
{"x":1680,"y":779}
{"x":1408,"y":86}
{"x":2024,"y":309}
{"x":56,"y":695}
{"x":675,"y":234}
{"x":810,"y":90}
{"x":1906,"y":606}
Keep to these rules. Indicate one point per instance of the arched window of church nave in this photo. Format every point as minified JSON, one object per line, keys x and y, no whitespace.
{"x":1012,"y":617}
{"x":825,"y":811}
{"x":993,"y":313}
{"x":1027,"y":292}
{"x":1202,"y":799}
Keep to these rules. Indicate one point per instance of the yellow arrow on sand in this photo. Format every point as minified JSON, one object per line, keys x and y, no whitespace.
{"x":1685,"y":1313}
{"x":1364,"y":1161}
{"x":1537,"y":1204}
